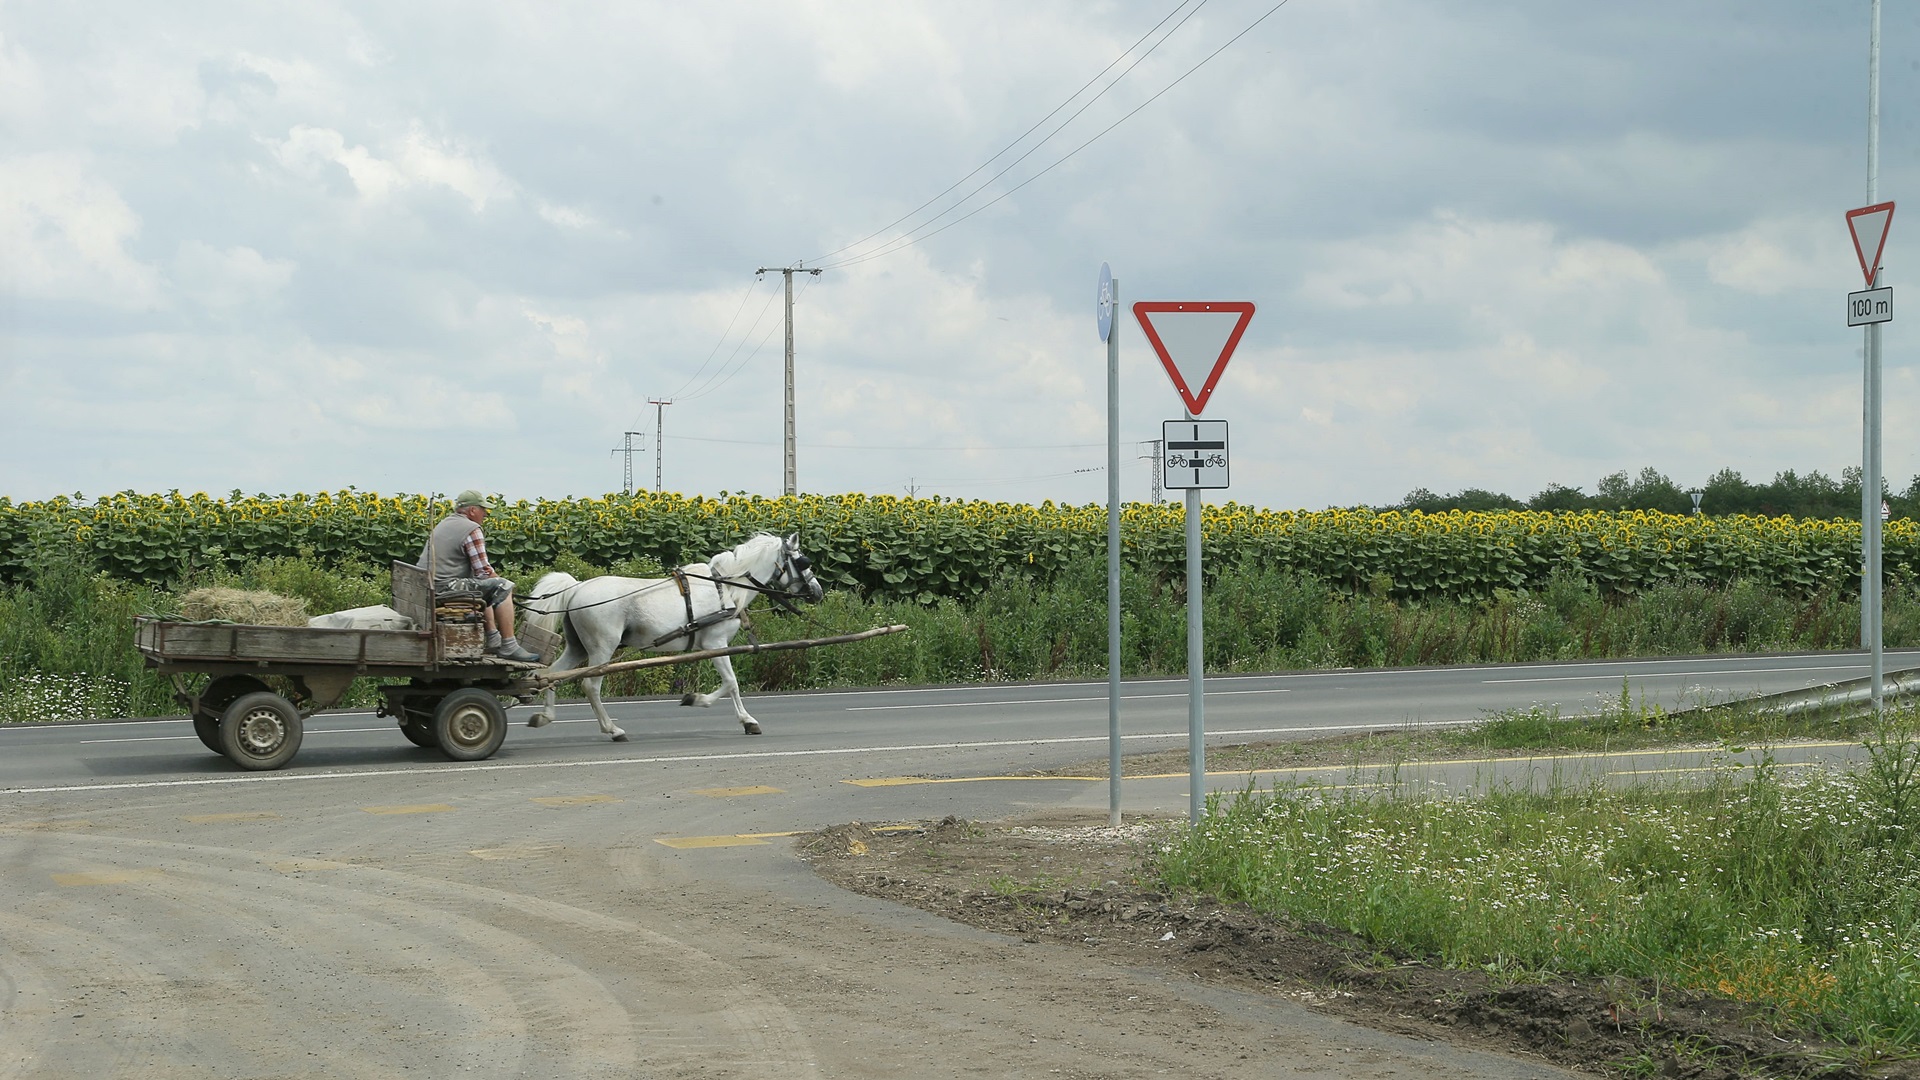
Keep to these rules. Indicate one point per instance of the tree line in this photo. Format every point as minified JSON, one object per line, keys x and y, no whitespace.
{"x":1811,"y":494}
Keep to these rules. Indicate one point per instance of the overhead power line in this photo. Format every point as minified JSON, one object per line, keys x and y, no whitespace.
{"x":1036,"y":126}
{"x":745,"y":294}
{"x":909,"y":240}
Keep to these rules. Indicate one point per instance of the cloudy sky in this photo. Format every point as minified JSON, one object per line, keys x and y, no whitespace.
{"x":427,"y":246}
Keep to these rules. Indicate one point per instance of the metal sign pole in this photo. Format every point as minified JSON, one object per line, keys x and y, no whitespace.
{"x":1870,"y":480}
{"x":1196,"y":666}
{"x":1113,"y":562}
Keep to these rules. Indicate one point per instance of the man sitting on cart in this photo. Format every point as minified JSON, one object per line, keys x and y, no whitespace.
{"x":456,"y":554}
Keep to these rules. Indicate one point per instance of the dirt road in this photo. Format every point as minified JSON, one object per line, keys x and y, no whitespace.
{"x":534,"y":924}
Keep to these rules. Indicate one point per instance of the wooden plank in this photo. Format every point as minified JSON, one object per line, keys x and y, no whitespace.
{"x":412,"y":594}
{"x":297,"y":644}
{"x":540,"y":641}
{"x":462,"y":641}
{"x":548,"y":678}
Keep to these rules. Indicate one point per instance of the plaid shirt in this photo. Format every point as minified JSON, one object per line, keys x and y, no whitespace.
{"x":476,"y":549}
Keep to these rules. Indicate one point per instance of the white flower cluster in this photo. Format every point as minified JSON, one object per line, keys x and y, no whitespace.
{"x":37,"y":697}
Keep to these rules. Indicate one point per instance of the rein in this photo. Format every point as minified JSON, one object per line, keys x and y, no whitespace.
{"x":782,"y":599}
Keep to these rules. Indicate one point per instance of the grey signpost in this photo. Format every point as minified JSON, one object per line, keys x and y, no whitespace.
{"x":1869,"y":226}
{"x":1871,"y":307}
{"x":1194,"y":340}
{"x":1107,"y":297}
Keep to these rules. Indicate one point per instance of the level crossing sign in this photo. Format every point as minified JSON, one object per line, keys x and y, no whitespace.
{"x":1196,"y":453}
{"x":1194,"y":340}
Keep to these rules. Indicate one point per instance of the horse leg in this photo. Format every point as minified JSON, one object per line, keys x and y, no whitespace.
{"x":546,"y":714}
{"x":730,"y":687}
{"x":607,"y":726}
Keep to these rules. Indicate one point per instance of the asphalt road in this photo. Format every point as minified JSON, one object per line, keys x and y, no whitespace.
{"x":576,"y":907}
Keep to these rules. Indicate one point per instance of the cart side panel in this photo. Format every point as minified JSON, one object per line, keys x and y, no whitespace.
{"x":413,"y":594}
{"x":293,"y":644}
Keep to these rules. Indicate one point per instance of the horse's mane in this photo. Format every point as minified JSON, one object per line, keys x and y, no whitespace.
{"x":723,"y":564}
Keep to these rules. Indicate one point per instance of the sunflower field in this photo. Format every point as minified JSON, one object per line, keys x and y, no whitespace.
{"x":925,"y":550}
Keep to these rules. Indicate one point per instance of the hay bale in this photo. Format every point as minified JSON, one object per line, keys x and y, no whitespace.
{"x":243,"y":606}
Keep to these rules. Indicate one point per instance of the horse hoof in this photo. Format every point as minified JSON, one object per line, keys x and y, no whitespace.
{"x":539,"y":721}
{"x":620,"y":737}
{"x":751,"y":727}
{"x":686,"y":699}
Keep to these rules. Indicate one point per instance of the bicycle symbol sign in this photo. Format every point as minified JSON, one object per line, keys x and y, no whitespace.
{"x":1196,"y":453}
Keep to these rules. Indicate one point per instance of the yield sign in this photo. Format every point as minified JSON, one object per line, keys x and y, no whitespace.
{"x":1195,"y":339}
{"x":1869,"y":228}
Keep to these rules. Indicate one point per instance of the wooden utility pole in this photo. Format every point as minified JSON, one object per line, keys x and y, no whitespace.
{"x":788,"y":485}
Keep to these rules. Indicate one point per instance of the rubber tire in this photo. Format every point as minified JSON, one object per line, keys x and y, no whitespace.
{"x":208,"y":728}
{"x":261,"y":731}
{"x":417,"y":726}
{"x":469,"y":724}
{"x":214,"y":700}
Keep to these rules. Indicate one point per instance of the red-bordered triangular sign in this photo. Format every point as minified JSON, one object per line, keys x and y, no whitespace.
{"x":1869,"y":226}
{"x":1194,"y":339}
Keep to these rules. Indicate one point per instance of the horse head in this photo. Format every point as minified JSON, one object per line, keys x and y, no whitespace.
{"x":773,"y":565}
{"x":795,"y":572}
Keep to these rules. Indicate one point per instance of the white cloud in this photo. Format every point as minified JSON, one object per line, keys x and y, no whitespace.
{"x":65,"y":232}
{"x":229,"y":278}
{"x":414,"y":160}
{"x":1777,"y":255}
{"x":1493,"y":246}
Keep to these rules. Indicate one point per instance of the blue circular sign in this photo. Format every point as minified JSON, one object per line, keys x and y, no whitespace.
{"x":1103,"y":307}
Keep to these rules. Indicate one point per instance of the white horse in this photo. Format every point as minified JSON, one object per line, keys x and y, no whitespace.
{"x":701,"y":608}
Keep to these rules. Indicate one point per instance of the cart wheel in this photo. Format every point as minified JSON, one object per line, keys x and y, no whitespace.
{"x":417,"y":726}
{"x":260,"y":731}
{"x":214,"y":700}
{"x":208,"y":728}
{"x":470,"y":724}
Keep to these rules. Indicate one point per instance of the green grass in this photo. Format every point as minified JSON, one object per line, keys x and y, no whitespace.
{"x":1797,"y":894}
{"x":66,"y":640}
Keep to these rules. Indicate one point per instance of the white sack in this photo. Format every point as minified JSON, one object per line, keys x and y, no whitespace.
{"x":378,"y":617}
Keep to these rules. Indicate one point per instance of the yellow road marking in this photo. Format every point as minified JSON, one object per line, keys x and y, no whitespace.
{"x":294,"y":866}
{"x":420,"y":808}
{"x":215,"y":819}
{"x":520,"y":851}
{"x":757,"y":835}
{"x":685,"y":842}
{"x":730,"y":792}
{"x":573,"y":800}
{"x":105,"y":877}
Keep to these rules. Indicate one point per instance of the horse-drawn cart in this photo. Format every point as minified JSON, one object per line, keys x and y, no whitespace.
{"x":445,"y":691}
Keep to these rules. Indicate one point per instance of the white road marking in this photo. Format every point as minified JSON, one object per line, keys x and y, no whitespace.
{"x":1052,"y":700}
{"x":441,"y":769}
{"x":1671,"y":674}
{"x":310,"y":732}
{"x":1900,"y":656}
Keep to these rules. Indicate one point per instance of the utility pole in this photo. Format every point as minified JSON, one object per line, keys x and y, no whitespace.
{"x":788,"y":485}
{"x":1159,"y":465}
{"x":627,"y":449}
{"x":659,"y":435}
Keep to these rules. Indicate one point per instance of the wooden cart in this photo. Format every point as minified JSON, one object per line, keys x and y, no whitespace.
{"x":264,"y":681}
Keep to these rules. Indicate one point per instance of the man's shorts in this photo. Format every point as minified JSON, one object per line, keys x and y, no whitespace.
{"x":492,"y":591}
